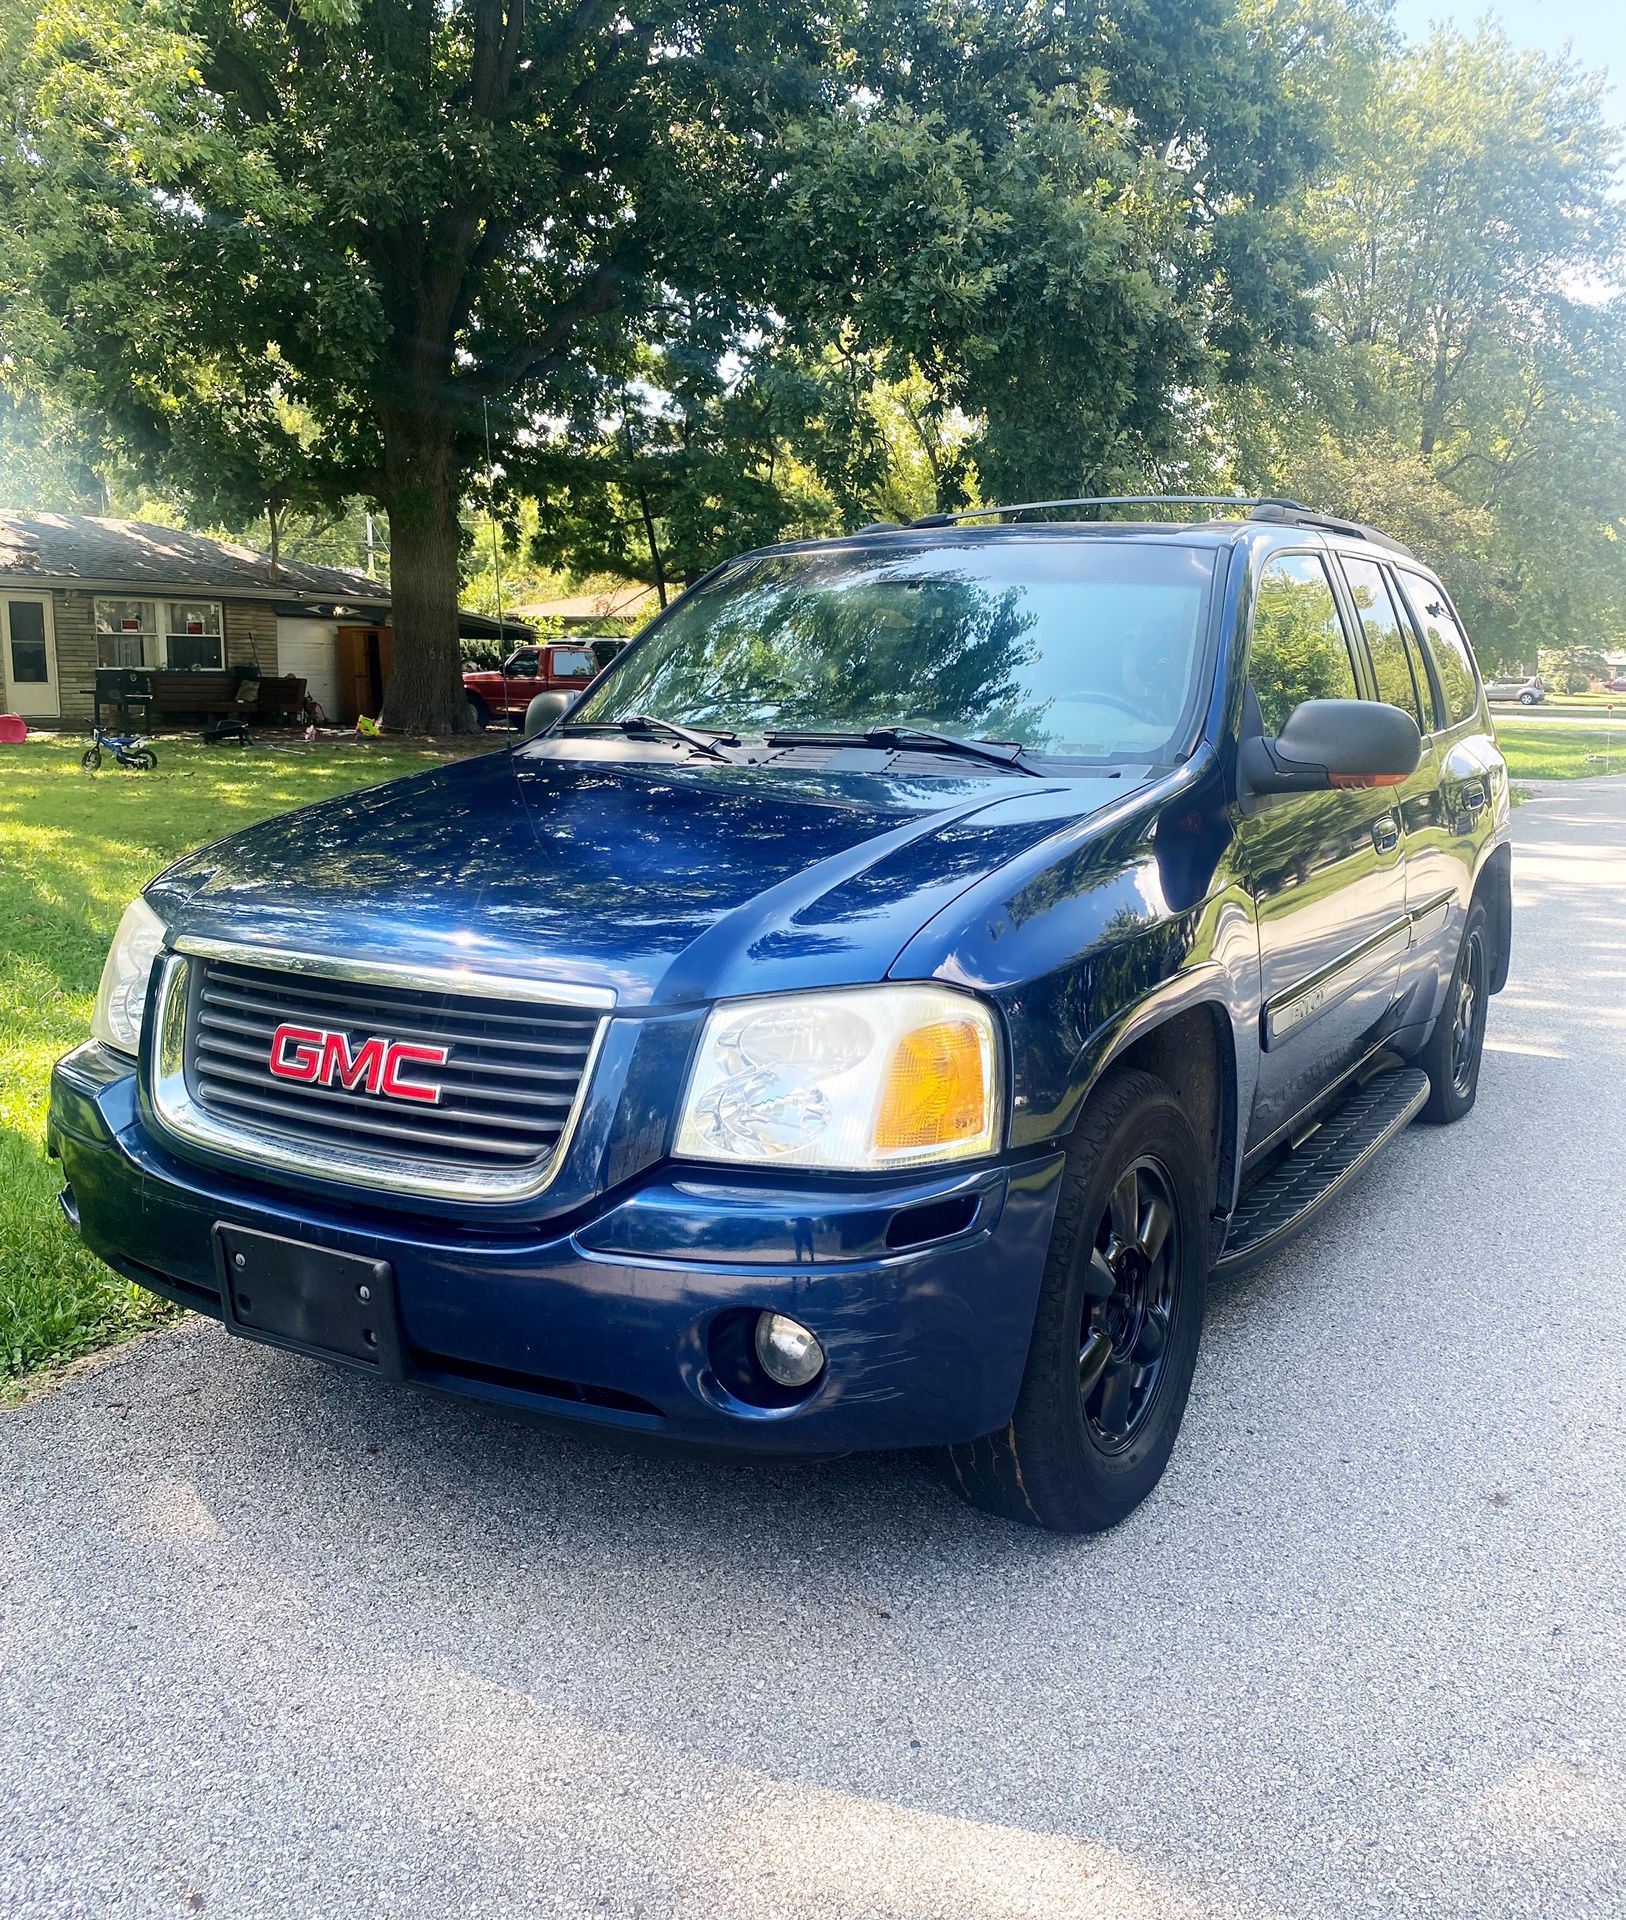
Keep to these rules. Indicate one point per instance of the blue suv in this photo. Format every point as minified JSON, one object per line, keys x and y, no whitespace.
{"x":865,"y":1018}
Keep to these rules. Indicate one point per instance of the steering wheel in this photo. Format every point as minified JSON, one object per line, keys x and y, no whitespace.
{"x":1100,"y":697}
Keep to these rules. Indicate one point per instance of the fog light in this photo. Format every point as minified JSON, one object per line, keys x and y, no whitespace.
{"x":790,"y":1355}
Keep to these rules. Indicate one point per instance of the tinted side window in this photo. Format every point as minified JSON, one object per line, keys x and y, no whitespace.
{"x":1299,"y":651}
{"x":574,"y":660}
{"x":1447,"y":647}
{"x":1385,"y":637}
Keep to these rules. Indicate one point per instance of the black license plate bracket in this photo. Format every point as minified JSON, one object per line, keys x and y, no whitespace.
{"x":288,"y":1293}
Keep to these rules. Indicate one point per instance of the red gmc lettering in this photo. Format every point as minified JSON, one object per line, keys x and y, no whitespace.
{"x":349,"y":1071}
{"x":296,"y":1053}
{"x":403,"y":1089}
{"x":320,"y":1056}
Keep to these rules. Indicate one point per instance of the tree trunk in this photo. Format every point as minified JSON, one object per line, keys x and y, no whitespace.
{"x":424,"y":491}
{"x":657,"y":566}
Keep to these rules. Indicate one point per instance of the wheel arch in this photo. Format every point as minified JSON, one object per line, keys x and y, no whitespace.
{"x":1494,"y":887}
{"x":1191,"y":1047}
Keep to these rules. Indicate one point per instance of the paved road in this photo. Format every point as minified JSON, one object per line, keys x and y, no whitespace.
{"x":276,"y":1643}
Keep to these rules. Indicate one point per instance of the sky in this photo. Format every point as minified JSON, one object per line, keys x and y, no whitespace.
{"x":1595,"y":29}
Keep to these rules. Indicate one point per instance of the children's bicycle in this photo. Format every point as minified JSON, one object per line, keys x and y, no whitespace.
{"x":128,"y":749}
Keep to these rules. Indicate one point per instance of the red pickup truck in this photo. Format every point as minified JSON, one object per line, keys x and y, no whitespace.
{"x":499,"y":698}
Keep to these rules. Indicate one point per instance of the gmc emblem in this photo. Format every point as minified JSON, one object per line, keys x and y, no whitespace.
{"x":323,"y":1058}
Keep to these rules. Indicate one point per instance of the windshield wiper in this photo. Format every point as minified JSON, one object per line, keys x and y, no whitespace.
{"x":996,"y":754}
{"x":691,"y":736}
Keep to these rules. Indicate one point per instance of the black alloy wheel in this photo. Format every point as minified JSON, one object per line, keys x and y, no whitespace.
{"x":1456,"y":1047}
{"x":1117,"y":1324}
{"x":1468,"y":1012}
{"x":1131,"y":1288}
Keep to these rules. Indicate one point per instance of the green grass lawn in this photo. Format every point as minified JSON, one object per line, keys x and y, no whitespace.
{"x":75,"y":849}
{"x":1538,"y":752}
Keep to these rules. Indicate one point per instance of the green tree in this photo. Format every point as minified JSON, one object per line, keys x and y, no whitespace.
{"x":1465,"y":387}
{"x":331,"y":242}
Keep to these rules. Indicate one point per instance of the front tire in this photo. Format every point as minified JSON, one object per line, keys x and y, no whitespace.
{"x":1119,"y":1319}
{"x":1456,"y":1046}
{"x":91,"y":759}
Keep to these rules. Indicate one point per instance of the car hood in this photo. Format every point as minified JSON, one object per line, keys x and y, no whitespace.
{"x":665,"y":877}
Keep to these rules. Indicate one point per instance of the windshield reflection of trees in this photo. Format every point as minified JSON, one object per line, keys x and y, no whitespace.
{"x":791,"y":650}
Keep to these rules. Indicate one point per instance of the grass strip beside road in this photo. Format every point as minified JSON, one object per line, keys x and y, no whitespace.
{"x":1538,"y":752}
{"x":75,"y":849}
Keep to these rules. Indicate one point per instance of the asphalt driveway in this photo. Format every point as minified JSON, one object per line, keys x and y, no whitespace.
{"x":275,"y":1642}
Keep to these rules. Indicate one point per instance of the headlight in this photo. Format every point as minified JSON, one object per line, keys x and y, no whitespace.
{"x":861,"y":1079}
{"x":123,"y":992}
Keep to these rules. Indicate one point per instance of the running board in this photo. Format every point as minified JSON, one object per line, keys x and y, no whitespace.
{"x":1321,"y":1166}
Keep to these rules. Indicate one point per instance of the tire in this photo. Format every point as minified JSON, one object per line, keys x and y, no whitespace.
{"x":1079,"y":1455}
{"x":144,"y":760}
{"x":1456,"y":1045}
{"x":481,"y":712}
{"x":1527,"y":699}
{"x":91,"y":759}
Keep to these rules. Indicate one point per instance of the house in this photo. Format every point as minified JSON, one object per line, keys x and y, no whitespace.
{"x":79,"y":594}
{"x":626,"y":600}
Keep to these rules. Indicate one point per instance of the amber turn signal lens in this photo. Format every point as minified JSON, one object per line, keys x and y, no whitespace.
{"x":937,"y":1090}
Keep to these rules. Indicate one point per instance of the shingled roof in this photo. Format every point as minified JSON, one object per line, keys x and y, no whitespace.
{"x":50,"y":549}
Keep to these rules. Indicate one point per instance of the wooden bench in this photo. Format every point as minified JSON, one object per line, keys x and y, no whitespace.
{"x":232,"y":694}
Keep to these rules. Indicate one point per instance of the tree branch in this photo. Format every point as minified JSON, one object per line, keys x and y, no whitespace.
{"x":600,"y":293}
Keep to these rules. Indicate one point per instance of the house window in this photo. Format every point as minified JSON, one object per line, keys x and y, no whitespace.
{"x":126,"y":633}
{"x":192,"y":636}
{"x":184,"y":635}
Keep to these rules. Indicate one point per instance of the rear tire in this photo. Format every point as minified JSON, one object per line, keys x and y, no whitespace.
{"x":1119,"y":1319}
{"x":481,"y":713}
{"x":144,"y":760}
{"x":1456,"y":1045}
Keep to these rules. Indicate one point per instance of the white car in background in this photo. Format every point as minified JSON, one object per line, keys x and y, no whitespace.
{"x":1528,"y":693}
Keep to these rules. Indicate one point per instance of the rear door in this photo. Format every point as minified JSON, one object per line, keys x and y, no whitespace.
{"x":570,"y":667}
{"x":1470,"y":782}
{"x":1325,"y":869}
{"x":1400,"y":676}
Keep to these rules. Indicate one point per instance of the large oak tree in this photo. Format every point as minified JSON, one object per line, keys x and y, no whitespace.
{"x":360,"y":240}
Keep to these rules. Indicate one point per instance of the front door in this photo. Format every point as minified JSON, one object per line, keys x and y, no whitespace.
{"x":521,"y":682}
{"x":1326,"y":870}
{"x":28,"y":651}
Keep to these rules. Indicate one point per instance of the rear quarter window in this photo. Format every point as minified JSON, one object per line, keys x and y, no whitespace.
{"x":574,"y":662}
{"x":1447,"y":646}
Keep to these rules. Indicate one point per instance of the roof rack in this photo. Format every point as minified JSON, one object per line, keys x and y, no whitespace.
{"x":1266,"y":507}
{"x":1098,"y":500}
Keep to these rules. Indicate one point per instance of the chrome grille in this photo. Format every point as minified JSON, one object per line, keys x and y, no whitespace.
{"x":509,"y":1086}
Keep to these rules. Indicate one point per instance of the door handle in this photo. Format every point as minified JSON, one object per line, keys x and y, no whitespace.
{"x":1386,"y":833}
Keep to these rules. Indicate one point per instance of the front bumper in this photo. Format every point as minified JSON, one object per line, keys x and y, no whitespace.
{"x":922,"y":1292}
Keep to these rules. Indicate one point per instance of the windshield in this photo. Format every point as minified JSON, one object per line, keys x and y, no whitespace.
{"x":1069,"y":647}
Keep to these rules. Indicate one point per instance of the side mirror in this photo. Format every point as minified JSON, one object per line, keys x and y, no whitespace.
{"x":547,"y":710}
{"x":1334,"y":743}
